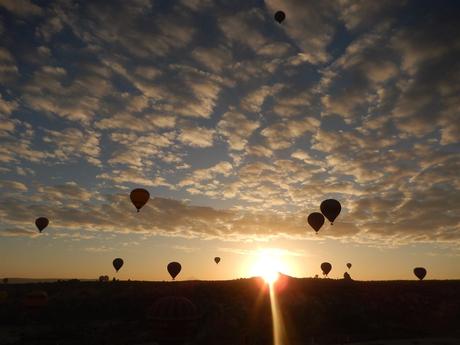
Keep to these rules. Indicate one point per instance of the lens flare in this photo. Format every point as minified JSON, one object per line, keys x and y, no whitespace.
{"x":268,"y":265}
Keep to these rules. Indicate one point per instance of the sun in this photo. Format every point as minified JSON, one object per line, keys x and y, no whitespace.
{"x":268,"y":265}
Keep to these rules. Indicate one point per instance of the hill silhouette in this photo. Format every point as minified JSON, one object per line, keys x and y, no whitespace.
{"x":320,"y":311}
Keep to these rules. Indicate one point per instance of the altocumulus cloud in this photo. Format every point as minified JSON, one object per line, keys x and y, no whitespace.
{"x":215,"y":103}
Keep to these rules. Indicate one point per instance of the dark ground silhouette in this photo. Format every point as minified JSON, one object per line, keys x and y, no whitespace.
{"x":320,"y":311}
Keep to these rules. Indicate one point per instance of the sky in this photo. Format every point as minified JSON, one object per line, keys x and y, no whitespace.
{"x":239,"y":127}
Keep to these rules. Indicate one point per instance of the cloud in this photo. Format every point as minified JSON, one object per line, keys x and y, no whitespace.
{"x":138,"y":151}
{"x":72,"y":142}
{"x":237,"y":129}
{"x":49,"y":92}
{"x":17,"y":232}
{"x":308,"y":23}
{"x":7,"y":107}
{"x":254,"y":100}
{"x":261,"y":120}
{"x":13,"y":186}
{"x":22,"y":8}
{"x":222,"y":168}
{"x":8,"y":67}
{"x":356,"y":14}
{"x":133,"y":176}
{"x":353,"y":83}
{"x":283,"y":134}
{"x":428,"y":96}
{"x":242,"y":27}
{"x":197,"y":136}
{"x":215,"y":59}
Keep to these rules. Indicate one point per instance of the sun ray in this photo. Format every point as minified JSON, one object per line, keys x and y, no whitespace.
{"x":268,"y":266}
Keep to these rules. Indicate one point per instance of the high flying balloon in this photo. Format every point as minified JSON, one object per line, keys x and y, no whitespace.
{"x":117,"y":263}
{"x":326,"y":267}
{"x":348,"y":265}
{"x":174,"y":269}
{"x":139,"y":197}
{"x":420,"y":272}
{"x":330,"y":208}
{"x":41,"y":223}
{"x":216,"y":259}
{"x":280,"y":16}
{"x":316,"y":220}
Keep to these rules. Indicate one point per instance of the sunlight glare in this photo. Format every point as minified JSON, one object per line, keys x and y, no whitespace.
{"x":268,"y":266}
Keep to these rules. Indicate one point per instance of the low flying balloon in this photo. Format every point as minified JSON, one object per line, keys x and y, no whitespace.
{"x":139,"y":197}
{"x":330,"y":208}
{"x":41,"y":223}
{"x":316,"y":220}
{"x":420,"y":272}
{"x":117,"y":263}
{"x":175,"y":320}
{"x":174,"y":269}
{"x":326,"y":268}
{"x":217,"y":259}
{"x":348,"y":265}
{"x":280,"y":16}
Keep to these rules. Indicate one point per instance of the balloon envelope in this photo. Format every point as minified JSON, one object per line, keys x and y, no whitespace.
{"x":117,"y":263}
{"x":420,"y":272}
{"x":35,"y":299}
{"x":331,"y":209}
{"x":41,"y":223}
{"x":174,"y":319}
{"x":139,"y":197}
{"x":326,"y":268}
{"x":280,"y":16}
{"x":217,"y":259}
{"x":174,"y":269}
{"x":349,"y":265}
{"x":316,"y":220}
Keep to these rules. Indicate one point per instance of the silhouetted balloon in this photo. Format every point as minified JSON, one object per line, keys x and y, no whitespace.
{"x":174,"y":269}
{"x":139,"y":197}
{"x":346,"y":276}
{"x":280,"y":16}
{"x":316,"y":220}
{"x":41,"y":223}
{"x":35,"y":299}
{"x":348,"y":265}
{"x":217,"y":259}
{"x":326,"y":268}
{"x":117,"y":263}
{"x":103,"y":279}
{"x":420,"y":272}
{"x":174,"y":319}
{"x":331,"y":209}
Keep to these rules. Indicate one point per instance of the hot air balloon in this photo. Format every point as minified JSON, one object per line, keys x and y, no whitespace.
{"x":35,"y":299}
{"x":117,"y":263}
{"x":326,"y":268}
{"x":330,"y":208}
{"x":139,"y":197}
{"x":217,"y":259}
{"x":280,"y":16}
{"x":41,"y":223}
{"x":316,"y":220}
{"x":348,"y":265}
{"x":420,"y":272}
{"x":174,"y":269}
{"x":174,"y":319}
